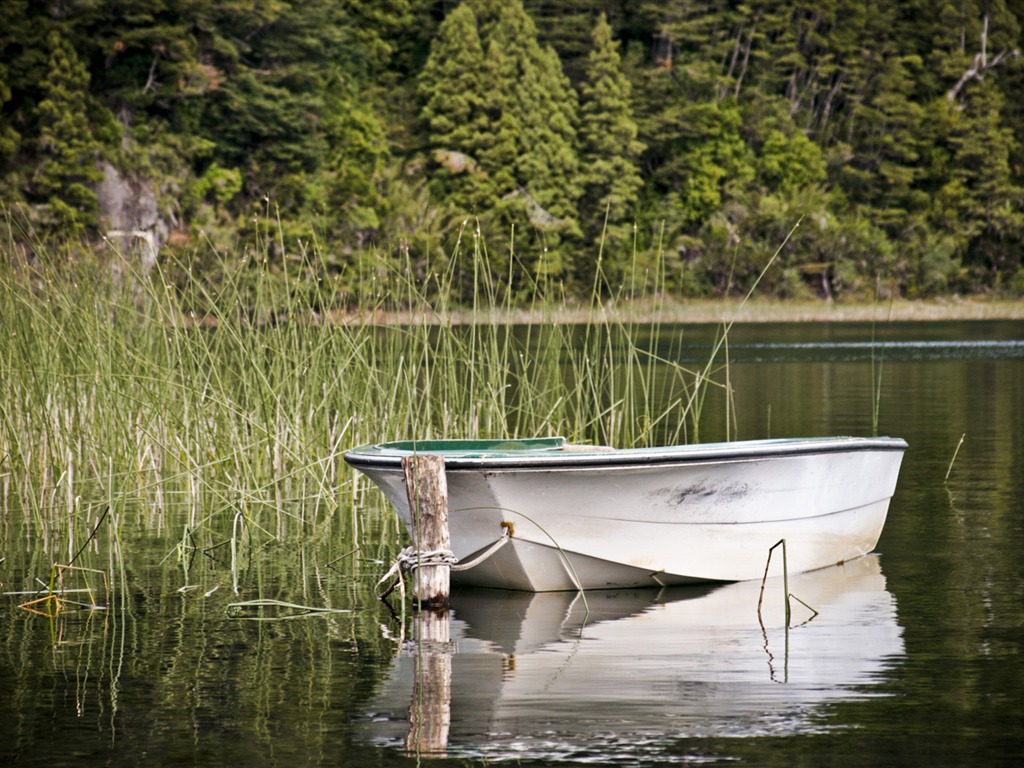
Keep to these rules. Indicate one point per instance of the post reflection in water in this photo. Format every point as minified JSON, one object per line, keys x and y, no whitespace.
{"x":430,"y":708}
{"x":536,"y":676}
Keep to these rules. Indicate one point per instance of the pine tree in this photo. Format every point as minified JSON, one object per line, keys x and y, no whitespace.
{"x":502,"y":126}
{"x":981,"y":198}
{"x":567,"y":26}
{"x":545,"y":105}
{"x":377,"y":26}
{"x":695,"y":37}
{"x":9,"y":137}
{"x":68,"y":151}
{"x":696,"y":153}
{"x":274,"y":62}
{"x":501,"y":137}
{"x":458,"y":110}
{"x":975,"y":193}
{"x":885,"y":167}
{"x":356,"y":159}
{"x":541,"y":105}
{"x":609,"y":149}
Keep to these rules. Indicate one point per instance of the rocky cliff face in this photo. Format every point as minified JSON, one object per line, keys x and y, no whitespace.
{"x":129,"y":212}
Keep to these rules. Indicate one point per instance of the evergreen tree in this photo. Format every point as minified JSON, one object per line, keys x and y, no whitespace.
{"x":975,"y":193}
{"x":790,"y":162}
{"x":688,"y":114}
{"x":695,"y":39}
{"x":151,"y":56}
{"x":696,"y":154}
{"x":320,"y":106}
{"x":354,"y":163}
{"x":609,"y":150}
{"x":378,"y":26}
{"x":458,"y":112}
{"x":540,"y":104}
{"x":883,"y":167}
{"x":24,"y":61}
{"x":504,"y":123}
{"x":567,"y":26}
{"x":981,"y":199}
{"x":69,"y":154}
{"x":9,"y":137}
{"x":545,"y":108}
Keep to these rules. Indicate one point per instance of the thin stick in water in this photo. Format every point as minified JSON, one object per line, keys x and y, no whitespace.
{"x":950,"y":469}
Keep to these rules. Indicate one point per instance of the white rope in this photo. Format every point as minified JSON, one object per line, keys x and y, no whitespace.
{"x":409,"y":560}
{"x":490,"y":551}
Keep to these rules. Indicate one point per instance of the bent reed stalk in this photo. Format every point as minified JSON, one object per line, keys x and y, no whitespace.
{"x":193,"y":408}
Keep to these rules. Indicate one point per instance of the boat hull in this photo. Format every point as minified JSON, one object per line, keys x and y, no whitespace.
{"x":614,"y":519}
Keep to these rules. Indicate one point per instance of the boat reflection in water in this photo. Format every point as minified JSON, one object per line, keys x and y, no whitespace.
{"x":539,"y":676}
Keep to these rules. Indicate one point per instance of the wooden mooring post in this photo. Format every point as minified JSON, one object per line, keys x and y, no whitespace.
{"x":427,"y":489}
{"x":430,"y":710}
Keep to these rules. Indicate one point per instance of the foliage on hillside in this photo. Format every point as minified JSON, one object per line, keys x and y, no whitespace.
{"x":683,"y":138}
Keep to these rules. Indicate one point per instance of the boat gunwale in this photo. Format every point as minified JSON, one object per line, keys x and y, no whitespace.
{"x":386,"y":455}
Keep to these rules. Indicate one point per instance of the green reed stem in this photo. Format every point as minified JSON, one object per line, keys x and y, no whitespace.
{"x":955,"y":454}
{"x":178,"y":399}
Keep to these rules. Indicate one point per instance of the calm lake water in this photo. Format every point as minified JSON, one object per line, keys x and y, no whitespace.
{"x":915,"y":657}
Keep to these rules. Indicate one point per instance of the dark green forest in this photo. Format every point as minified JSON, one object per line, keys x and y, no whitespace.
{"x":584,"y":142}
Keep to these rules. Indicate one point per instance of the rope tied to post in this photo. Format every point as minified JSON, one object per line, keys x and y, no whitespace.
{"x":409,"y":559}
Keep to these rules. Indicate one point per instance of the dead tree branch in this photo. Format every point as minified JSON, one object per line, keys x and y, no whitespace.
{"x":981,"y":64}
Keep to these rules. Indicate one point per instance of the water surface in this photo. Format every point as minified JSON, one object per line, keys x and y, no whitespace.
{"x":914,"y":657}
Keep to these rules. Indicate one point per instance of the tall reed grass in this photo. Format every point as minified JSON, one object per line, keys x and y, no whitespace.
{"x":191,"y":408}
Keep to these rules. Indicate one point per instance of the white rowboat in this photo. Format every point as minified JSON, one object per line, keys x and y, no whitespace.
{"x":589,"y":517}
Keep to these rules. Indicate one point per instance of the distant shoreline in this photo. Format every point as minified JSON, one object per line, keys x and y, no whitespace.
{"x":776,"y":311}
{"x":715,"y":311}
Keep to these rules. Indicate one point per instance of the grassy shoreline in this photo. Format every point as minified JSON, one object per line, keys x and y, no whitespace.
{"x":766,"y":310}
{"x":709,"y":311}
